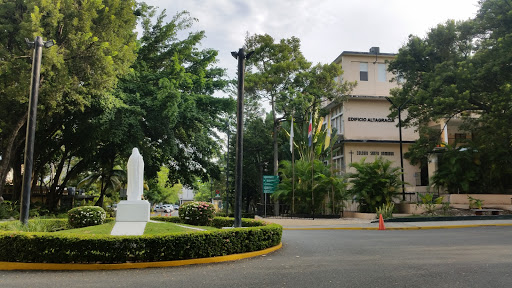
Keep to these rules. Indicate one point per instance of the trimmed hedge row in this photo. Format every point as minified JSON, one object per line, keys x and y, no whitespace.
{"x":218,"y":222}
{"x":68,"y":248}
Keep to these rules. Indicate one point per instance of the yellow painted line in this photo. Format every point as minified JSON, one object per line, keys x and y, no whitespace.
{"x":401,"y":228}
{"x":68,"y":266}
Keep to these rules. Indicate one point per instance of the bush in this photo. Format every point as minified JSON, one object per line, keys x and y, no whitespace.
{"x":386,"y":210}
{"x":86,"y":216}
{"x":9,"y":209}
{"x":374,"y":184}
{"x":36,"y":225}
{"x":244,"y":214}
{"x":69,"y":248}
{"x":197,"y":213}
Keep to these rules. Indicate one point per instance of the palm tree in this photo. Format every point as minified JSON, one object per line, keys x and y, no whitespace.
{"x":106,"y":180}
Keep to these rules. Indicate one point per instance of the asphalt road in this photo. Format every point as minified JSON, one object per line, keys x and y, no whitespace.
{"x":469,"y":257}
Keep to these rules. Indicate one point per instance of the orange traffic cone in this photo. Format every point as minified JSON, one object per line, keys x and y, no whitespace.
{"x":381,"y":223}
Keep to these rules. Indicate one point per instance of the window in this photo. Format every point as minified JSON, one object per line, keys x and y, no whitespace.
{"x":381,"y":72}
{"x":459,"y":136}
{"x":337,"y":119}
{"x":363,"y":71}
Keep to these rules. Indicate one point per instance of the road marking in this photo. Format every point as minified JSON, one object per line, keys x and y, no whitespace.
{"x":72,"y":266}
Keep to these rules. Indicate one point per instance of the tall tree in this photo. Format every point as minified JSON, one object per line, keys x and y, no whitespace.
{"x":95,"y":43}
{"x":279,"y":73}
{"x":172,"y":85}
{"x":462,"y":70}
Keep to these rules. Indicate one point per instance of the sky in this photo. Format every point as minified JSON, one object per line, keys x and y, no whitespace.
{"x":325,"y":27}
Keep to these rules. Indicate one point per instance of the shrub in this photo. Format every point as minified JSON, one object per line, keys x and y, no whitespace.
{"x":374,"y":184}
{"x":429,"y":203}
{"x":86,"y":216}
{"x":72,"y":248}
{"x":36,"y":225}
{"x":9,"y":209}
{"x":197,"y":213}
{"x":386,"y":210}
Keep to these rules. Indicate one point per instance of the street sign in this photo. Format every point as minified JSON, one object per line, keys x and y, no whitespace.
{"x":270,"y":183}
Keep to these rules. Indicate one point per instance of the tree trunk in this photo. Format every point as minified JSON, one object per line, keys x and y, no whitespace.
{"x":52,"y":199}
{"x":7,"y":153}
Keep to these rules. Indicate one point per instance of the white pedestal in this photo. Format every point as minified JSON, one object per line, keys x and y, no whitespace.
{"x":133,"y":211}
{"x":131,"y":217}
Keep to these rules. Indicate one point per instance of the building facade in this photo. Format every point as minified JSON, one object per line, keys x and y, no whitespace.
{"x":363,"y":127}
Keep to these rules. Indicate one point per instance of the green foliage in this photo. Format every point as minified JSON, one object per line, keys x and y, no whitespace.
{"x":386,"y":210}
{"x":374,"y":184}
{"x":325,"y":183}
{"x":197,"y":213}
{"x":86,"y":216}
{"x":160,"y":190}
{"x":279,"y":73}
{"x":460,"y":71}
{"x":70,"y":248}
{"x":95,"y":44}
{"x":169,"y":106}
{"x":475,"y":203}
{"x":36,"y":225}
{"x":172,"y":219}
{"x":459,"y":170}
{"x":204,"y":192}
{"x":429,"y":203}
{"x":8,"y":209}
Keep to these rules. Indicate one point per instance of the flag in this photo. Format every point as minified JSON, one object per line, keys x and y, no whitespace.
{"x":291,"y":137}
{"x":328,"y":135}
{"x":310,"y":130}
{"x":320,"y":124}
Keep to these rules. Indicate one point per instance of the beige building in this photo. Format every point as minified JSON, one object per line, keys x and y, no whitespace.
{"x":362,"y":123}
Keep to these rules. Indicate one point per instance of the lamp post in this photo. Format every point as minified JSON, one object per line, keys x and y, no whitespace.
{"x":38,"y":45}
{"x":399,"y":108}
{"x":241,"y":57}
{"x":227,"y":171}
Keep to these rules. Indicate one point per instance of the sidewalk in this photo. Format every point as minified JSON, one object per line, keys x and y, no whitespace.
{"x":363,"y":224}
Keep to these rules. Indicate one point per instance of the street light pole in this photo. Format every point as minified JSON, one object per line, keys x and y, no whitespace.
{"x":31,"y":125}
{"x":241,"y":56}
{"x":399,"y":108}
{"x":227,"y":172}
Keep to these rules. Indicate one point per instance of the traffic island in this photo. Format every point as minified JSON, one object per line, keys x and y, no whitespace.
{"x":43,"y":250}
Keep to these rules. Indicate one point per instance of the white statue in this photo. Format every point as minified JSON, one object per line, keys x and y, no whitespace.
{"x":135,"y":176}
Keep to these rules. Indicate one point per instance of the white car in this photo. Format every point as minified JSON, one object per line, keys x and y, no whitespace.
{"x":167,"y":208}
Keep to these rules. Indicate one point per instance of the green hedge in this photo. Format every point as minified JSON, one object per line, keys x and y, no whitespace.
{"x":218,"y":222}
{"x":69,"y":248}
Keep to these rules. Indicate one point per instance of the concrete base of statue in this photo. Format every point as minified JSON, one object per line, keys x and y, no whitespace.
{"x":131,"y":217}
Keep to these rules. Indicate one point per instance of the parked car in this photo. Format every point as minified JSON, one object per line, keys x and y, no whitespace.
{"x":167,"y":208}
{"x":176,"y":207}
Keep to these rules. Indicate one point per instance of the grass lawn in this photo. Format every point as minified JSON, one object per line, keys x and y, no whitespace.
{"x":151,"y":229}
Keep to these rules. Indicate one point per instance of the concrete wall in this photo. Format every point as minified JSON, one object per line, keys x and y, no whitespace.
{"x":501,"y":201}
{"x":359,"y":149}
{"x":350,"y":65}
{"x":364,"y":119}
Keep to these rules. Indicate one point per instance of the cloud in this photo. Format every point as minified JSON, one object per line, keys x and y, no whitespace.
{"x":325,"y":27}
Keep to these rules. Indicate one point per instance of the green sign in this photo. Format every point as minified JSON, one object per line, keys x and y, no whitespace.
{"x":270,"y":183}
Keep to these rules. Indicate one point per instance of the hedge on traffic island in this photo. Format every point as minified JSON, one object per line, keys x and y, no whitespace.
{"x":47,"y":247}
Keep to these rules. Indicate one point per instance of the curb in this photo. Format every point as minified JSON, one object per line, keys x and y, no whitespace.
{"x":71,"y":266}
{"x":401,"y":228}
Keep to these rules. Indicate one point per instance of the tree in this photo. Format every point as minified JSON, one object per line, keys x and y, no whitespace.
{"x":374,"y":184}
{"x":81,"y":68}
{"x":279,"y":73}
{"x":172,"y":86}
{"x":461,"y":70}
{"x":160,"y":190}
{"x":324,"y":183}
